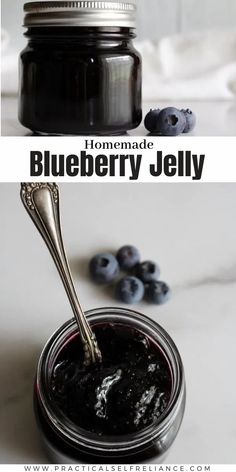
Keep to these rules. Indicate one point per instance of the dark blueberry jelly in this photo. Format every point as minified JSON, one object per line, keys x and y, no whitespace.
{"x":128,"y":392}
{"x":76,"y":80}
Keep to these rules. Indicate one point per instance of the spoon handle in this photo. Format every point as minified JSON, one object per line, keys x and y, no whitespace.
{"x":41,"y":200}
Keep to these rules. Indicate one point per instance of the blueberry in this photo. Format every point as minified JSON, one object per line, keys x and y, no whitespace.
{"x":104,"y":268}
{"x":128,"y":257}
{"x":158,"y":292}
{"x":148,"y":271}
{"x":130,"y":290}
{"x":151,"y":119}
{"x":170,"y":122}
{"x":190,"y":120}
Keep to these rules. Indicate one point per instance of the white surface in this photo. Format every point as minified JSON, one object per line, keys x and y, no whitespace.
{"x":190,"y":66}
{"x":191,"y":231}
{"x":213,"y":118}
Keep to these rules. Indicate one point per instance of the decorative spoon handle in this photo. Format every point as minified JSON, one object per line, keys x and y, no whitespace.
{"x":41,"y":201}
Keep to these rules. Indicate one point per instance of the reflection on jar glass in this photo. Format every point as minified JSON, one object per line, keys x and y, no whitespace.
{"x":67,"y":442}
{"x":80,"y":73}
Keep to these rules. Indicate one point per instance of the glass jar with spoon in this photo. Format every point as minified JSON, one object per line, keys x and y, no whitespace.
{"x":110,"y":383}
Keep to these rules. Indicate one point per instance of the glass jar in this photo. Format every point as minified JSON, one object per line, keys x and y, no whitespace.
{"x":66,"y":443}
{"x":80,"y":73}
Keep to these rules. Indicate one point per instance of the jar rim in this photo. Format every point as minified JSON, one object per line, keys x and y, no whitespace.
{"x":80,"y":13}
{"x":79,"y":436}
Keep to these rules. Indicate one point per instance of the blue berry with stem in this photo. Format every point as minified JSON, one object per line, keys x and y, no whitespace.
{"x":151,"y":120}
{"x":128,"y":257}
{"x":130,"y":290}
{"x":148,"y":271}
{"x":104,"y":268}
{"x":157,"y":292}
{"x":190,"y":120}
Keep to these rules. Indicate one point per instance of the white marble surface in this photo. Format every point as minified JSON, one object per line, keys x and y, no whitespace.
{"x":213,"y":118}
{"x":191,"y":231}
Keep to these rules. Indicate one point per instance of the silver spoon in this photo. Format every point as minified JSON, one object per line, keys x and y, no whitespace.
{"x":41,"y":201}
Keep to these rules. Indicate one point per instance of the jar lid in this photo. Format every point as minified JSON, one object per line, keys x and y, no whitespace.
{"x":81,"y":13}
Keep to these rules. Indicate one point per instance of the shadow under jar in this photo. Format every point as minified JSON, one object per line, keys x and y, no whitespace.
{"x":80,"y":73}
{"x":70,"y":432}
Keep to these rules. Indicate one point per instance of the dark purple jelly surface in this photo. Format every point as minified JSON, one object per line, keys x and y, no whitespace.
{"x":125,"y":394}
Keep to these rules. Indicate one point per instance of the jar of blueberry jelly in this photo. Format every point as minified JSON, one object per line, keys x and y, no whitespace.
{"x":80,"y":73}
{"x":126,"y":410}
